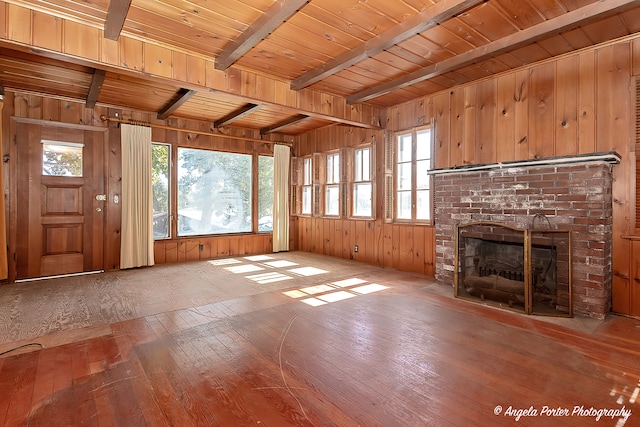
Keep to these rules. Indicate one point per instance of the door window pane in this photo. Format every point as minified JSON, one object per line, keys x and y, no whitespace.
{"x":61,"y":158}
{"x":214,"y":192}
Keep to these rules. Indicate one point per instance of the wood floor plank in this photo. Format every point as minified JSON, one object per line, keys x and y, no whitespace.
{"x":407,"y":354}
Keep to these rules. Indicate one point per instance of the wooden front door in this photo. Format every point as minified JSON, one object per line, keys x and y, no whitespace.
{"x":61,"y":202}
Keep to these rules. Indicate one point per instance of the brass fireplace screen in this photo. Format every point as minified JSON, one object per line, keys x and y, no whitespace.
{"x":526,"y":270}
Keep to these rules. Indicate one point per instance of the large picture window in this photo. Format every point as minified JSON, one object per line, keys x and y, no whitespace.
{"x":160,"y":162}
{"x":413,"y":160}
{"x":362,"y":185}
{"x":214,"y":192}
{"x":332,"y":186}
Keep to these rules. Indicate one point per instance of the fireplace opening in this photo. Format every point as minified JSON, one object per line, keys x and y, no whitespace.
{"x":521,"y":269}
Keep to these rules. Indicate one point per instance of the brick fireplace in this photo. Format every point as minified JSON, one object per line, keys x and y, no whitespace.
{"x":569,"y":193}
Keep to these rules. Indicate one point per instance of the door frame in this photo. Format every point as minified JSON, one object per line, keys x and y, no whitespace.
{"x":13,"y":184}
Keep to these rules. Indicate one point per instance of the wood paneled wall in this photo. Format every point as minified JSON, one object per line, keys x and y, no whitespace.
{"x":402,"y":246}
{"x":577,"y":104}
{"x":72,"y":113}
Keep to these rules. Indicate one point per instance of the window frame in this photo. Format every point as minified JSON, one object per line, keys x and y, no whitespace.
{"x":252,"y":194}
{"x":330,"y":182}
{"x":413,"y":162}
{"x":306,"y":184}
{"x":355,"y":182}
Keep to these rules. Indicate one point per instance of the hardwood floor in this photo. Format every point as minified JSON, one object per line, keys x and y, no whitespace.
{"x":391,"y":349}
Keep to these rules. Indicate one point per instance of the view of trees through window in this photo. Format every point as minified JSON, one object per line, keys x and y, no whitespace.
{"x":61,"y":158}
{"x":214,"y":192}
{"x":160,"y":156}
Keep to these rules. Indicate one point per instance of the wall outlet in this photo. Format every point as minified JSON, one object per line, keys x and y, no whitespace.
{"x":355,"y":248}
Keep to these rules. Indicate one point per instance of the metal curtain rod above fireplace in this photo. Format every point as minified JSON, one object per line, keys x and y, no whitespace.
{"x":610,"y":157}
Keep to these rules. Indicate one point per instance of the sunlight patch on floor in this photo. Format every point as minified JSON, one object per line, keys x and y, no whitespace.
{"x":280,"y":263}
{"x":225,"y":261}
{"x":269,"y":277}
{"x":368,"y":289}
{"x":334,"y":291}
{"x":349,"y":282}
{"x":314,"y":302}
{"x":318,"y":289}
{"x":336,"y":296}
{"x":307,"y":271}
{"x":245,"y":268}
{"x":258,"y":258}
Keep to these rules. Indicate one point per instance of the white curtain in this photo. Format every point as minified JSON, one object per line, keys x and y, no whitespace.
{"x":136,"y":249}
{"x":281,"y":159}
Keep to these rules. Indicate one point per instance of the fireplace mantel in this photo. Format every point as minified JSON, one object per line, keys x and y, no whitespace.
{"x":609,"y":158}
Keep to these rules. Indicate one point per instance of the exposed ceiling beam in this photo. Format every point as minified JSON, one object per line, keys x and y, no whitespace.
{"x":94,"y":89}
{"x":530,"y":35}
{"x":275,"y":16}
{"x":428,"y":18}
{"x":181,"y":97}
{"x":284,"y":123}
{"x":116,"y":15}
{"x":236,"y":115}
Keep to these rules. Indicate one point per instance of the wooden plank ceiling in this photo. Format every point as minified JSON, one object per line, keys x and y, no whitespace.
{"x":380,"y":52}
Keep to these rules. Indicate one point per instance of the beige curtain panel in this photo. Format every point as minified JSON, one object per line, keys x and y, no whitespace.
{"x":136,"y":249}
{"x":281,"y":159}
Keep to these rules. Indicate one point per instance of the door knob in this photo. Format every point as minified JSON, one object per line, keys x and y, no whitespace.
{"x":98,"y":209}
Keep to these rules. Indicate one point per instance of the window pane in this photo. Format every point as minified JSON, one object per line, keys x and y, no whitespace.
{"x":214,"y":192}
{"x":265,"y":194}
{"x":423,"y":149}
{"x":423,"y":204}
{"x":422,"y":179}
{"x":363,"y":166}
{"x":362,"y":199}
{"x":333,"y":169}
{"x":307,"y":172}
{"x":160,"y":155}
{"x":404,"y":148}
{"x":306,"y":200}
{"x":404,"y":176}
{"x":404,"y":205}
{"x":61,"y":159}
{"x":332,"y":200}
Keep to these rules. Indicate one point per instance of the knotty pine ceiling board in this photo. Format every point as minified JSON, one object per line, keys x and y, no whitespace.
{"x":631,"y":20}
{"x":487,"y":21}
{"x":92,"y":12}
{"x":44,"y":78}
{"x":556,"y":45}
{"x":522,"y":13}
{"x":606,"y":29}
{"x":139,"y":95}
